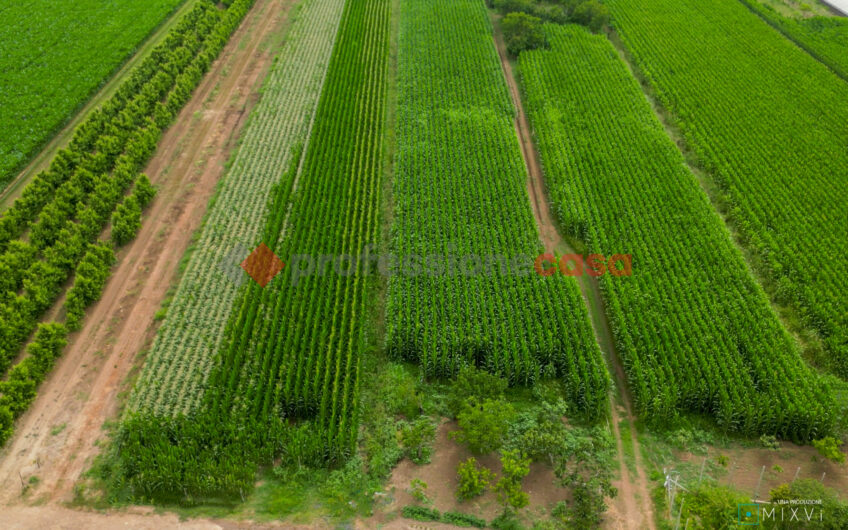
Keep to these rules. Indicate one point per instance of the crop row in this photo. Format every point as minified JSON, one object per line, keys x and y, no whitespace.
{"x":825,"y":38}
{"x":762,"y":118}
{"x":460,"y":190}
{"x":75,"y":199}
{"x":693,"y":328}
{"x":290,"y":350}
{"x":174,"y":377}
{"x":53,"y":57}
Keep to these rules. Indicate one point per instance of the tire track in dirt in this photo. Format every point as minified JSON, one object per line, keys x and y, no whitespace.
{"x":633,"y":507}
{"x":57,"y":438}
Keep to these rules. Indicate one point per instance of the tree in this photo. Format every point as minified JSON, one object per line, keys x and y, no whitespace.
{"x":483,"y":425}
{"x":541,"y":434}
{"x":7,"y":424}
{"x":417,"y":438}
{"x":516,"y":466}
{"x":473,"y":480}
{"x":126,"y":221}
{"x":472,"y":382}
{"x":522,"y":32}
{"x":144,"y":190}
{"x":592,"y":14}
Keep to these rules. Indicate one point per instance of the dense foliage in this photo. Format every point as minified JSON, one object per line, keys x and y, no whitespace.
{"x":590,"y":13}
{"x":91,"y":276}
{"x":460,"y":197}
{"x":825,"y":38}
{"x":47,"y":235}
{"x":292,"y":349}
{"x":18,"y":390}
{"x":693,"y":328}
{"x":764,"y":119}
{"x":522,"y":32}
{"x":54,"y":57}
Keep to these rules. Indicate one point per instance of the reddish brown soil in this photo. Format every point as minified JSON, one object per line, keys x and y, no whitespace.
{"x":745,"y":465}
{"x":54,"y":517}
{"x":57,"y":438}
{"x":440,"y":477}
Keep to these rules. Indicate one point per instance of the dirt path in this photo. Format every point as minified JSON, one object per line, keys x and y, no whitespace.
{"x":57,"y":438}
{"x":633,"y":507}
{"x":61,"y":139}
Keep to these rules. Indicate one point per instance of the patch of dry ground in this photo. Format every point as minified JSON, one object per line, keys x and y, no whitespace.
{"x":440,"y":477}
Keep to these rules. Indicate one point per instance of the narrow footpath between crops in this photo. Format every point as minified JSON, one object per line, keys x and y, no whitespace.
{"x":633,"y":507}
{"x":56,"y":439}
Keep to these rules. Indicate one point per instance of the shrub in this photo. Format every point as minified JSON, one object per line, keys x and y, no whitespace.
{"x":417,"y":439}
{"x":828,"y":447}
{"x":522,"y":32}
{"x":463,"y":519}
{"x":420,"y":513}
{"x":483,"y":426}
{"x":516,"y":466}
{"x":473,"y":480}
{"x":592,"y":14}
{"x":769,"y":442}
{"x":472,"y":382}
{"x":126,"y":221}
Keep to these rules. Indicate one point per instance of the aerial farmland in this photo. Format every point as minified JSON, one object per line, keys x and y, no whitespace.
{"x":542,"y":264}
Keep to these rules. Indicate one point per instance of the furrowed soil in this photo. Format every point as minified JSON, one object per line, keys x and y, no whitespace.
{"x":56,"y":440}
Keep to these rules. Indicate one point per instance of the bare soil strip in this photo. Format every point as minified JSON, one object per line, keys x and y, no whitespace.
{"x":57,"y":438}
{"x":42,"y":160}
{"x":633,"y":507}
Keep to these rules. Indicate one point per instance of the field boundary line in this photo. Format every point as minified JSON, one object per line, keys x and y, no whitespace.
{"x":62,"y":136}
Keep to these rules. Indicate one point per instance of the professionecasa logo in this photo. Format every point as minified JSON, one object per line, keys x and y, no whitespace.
{"x":575,"y":265}
{"x":263,"y":265}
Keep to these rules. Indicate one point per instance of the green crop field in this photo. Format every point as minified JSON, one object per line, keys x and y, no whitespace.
{"x":683,"y":336}
{"x":762,"y":119}
{"x":549,"y":264}
{"x":53,"y":58}
{"x":460,"y":190}
{"x":825,"y":38}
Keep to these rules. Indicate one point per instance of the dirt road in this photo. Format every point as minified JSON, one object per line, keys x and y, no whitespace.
{"x":633,"y":507}
{"x":57,"y":438}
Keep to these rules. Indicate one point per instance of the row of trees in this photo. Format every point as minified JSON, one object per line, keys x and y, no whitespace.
{"x":18,"y":390}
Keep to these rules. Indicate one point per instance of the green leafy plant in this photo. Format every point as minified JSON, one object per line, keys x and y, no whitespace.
{"x":828,"y":447}
{"x":473,"y":479}
{"x":522,"y":32}
{"x":417,"y":439}
{"x":515,"y":467}
{"x":483,"y":425}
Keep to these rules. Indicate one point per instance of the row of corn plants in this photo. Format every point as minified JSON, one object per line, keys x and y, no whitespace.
{"x":290,"y":350}
{"x":764,"y":120}
{"x":460,"y":196}
{"x":694,"y":330}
